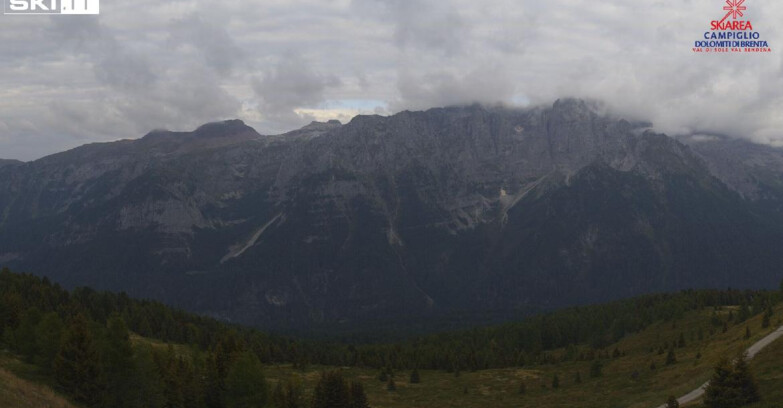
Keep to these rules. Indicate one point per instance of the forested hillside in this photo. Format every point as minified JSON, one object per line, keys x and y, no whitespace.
{"x":108,"y":350}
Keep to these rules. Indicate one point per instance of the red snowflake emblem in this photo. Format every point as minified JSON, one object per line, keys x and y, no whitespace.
{"x":734,"y":8}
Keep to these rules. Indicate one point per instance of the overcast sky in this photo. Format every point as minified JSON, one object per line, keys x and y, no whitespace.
{"x":279,"y":64}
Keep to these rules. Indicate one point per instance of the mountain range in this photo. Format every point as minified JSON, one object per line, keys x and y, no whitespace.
{"x":469,"y":213}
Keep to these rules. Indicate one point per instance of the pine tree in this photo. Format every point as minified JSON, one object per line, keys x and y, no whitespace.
{"x":11,"y":307}
{"x":681,"y":341}
{"x":216,"y":369}
{"x":118,"y":369}
{"x":765,"y":322}
{"x":192,"y":375}
{"x":358,"y":399}
{"x":596,"y":369}
{"x":331,"y":391}
{"x":48,"y":334}
{"x":391,"y":386}
{"x":731,"y":385}
{"x":522,"y":388}
{"x":278,"y":398}
{"x":147,"y":381}
{"x":672,"y":402}
{"x":578,"y":378}
{"x":744,"y":381}
{"x":288,"y":395}
{"x":721,"y":391}
{"x":76,"y":366}
{"x":555,"y":381}
{"x":670,"y":357}
{"x":172,"y":380}
{"x":245,"y":383}
{"x":415,"y":378}
{"x":747,"y":332}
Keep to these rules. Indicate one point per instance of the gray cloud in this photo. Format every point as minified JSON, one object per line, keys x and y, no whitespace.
{"x":216,"y":46}
{"x":487,"y":85}
{"x":291,"y":83}
{"x":424,"y":24}
{"x":147,"y":64}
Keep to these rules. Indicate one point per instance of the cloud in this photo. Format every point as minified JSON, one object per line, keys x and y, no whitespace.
{"x":148,"y":64}
{"x":487,"y":85}
{"x":216,"y":46}
{"x":424,"y":24}
{"x":290,"y":84}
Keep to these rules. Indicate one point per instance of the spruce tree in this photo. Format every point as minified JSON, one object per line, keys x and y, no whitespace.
{"x":245,"y":383}
{"x":415,"y":378}
{"x":288,"y":395}
{"x":172,"y":379}
{"x":765,"y":321}
{"x":732,"y":385}
{"x":391,"y":386}
{"x":331,"y":391}
{"x":147,"y":382}
{"x":48,"y":335}
{"x":744,"y":381}
{"x":358,"y":399}
{"x":215,"y":377}
{"x":719,"y":392}
{"x":76,"y":366}
{"x":670,"y":357}
{"x":278,"y":399}
{"x":596,"y":369}
{"x":118,"y":369}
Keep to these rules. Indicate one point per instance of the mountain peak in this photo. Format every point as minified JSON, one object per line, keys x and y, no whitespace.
{"x":222,"y":129}
{"x":576,"y":106}
{"x":7,"y":162}
{"x":315,"y":125}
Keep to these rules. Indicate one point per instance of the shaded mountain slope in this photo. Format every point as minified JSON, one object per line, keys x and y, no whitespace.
{"x":490,"y":211}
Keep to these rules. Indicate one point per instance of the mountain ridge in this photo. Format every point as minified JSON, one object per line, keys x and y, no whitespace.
{"x":449,"y":210}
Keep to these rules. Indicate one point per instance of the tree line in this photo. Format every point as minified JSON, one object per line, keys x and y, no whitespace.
{"x":82,"y":341}
{"x":82,"y":338}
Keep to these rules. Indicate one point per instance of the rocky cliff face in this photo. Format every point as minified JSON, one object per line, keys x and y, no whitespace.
{"x":448,"y":211}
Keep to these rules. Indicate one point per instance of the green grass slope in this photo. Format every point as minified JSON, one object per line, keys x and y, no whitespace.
{"x":627,"y":381}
